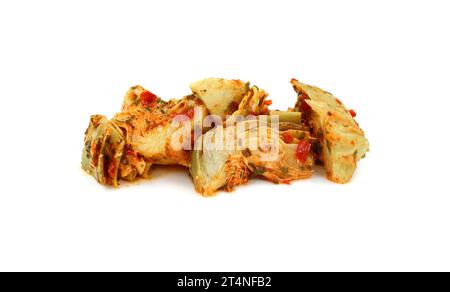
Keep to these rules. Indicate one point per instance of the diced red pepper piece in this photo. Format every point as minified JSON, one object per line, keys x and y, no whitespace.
{"x":305,"y":108}
{"x":264,"y":111}
{"x":148,"y":99}
{"x":286,"y":181}
{"x":306,"y":111}
{"x":112,"y":169}
{"x":303,"y":149}
{"x":287,"y":138}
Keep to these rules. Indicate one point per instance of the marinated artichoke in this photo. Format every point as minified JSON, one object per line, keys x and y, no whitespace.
{"x":225,"y":134}
{"x":254,"y":148}
{"x":126,"y":146}
{"x":342,"y":142}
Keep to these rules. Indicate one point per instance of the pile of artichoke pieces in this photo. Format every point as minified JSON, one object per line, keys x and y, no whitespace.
{"x":150,"y":131}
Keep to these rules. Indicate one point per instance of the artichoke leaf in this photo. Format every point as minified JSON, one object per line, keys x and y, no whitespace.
{"x":220,"y":96}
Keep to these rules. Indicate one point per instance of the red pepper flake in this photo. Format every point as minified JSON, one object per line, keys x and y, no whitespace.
{"x":303,"y":149}
{"x":148,"y":99}
{"x":287,"y":138}
{"x":267,"y":102}
{"x":352,"y":113}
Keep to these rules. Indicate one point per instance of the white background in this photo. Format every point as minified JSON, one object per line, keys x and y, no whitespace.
{"x":62,"y":61}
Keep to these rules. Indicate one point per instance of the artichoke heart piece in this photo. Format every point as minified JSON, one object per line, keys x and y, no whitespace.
{"x":342,"y":142}
{"x":150,"y":131}
{"x":254,"y":148}
{"x":138,"y":137}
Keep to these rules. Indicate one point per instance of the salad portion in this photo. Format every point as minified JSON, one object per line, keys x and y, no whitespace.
{"x":224,"y":133}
